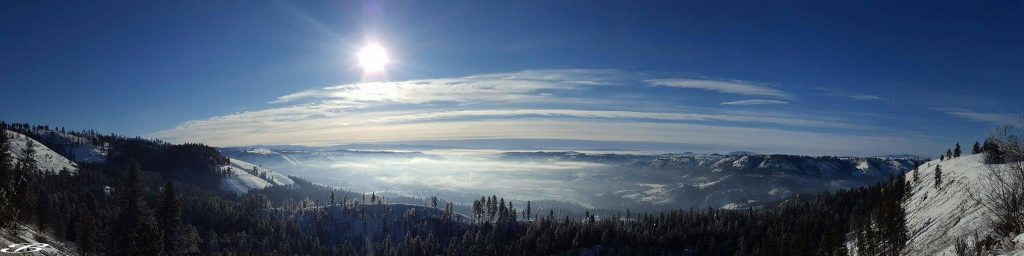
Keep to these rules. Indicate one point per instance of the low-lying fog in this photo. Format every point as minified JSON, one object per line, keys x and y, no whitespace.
{"x":593,"y":180}
{"x":458,"y":175}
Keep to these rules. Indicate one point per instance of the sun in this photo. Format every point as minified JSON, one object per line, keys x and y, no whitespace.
{"x":373,"y":58}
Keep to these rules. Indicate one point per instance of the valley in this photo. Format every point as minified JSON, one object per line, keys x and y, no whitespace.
{"x":607,"y":181}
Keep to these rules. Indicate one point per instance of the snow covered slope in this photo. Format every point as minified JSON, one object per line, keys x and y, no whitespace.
{"x":261,"y":154}
{"x":244,"y":176}
{"x":79,"y":148}
{"x":49,"y":161}
{"x":27,"y":234}
{"x":937,"y":216}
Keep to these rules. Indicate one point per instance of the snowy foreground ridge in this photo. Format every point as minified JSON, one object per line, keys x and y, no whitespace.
{"x":939,"y":215}
{"x":28,"y":234}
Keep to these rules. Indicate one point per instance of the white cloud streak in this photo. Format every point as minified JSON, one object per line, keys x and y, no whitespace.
{"x":998,"y":118}
{"x":733,"y":87}
{"x":754,"y":102}
{"x":601,"y":114}
{"x":864,"y":97}
{"x":523,"y":86}
{"x":849,"y":95}
{"x":275,"y":122}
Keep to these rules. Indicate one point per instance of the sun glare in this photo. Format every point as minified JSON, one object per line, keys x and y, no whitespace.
{"x":373,"y":58}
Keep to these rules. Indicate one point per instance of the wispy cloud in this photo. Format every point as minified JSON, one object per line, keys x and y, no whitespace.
{"x":744,"y":88}
{"x":599,"y":114}
{"x":864,"y":97}
{"x":317,"y":120}
{"x":849,"y":95}
{"x":999,"y":118}
{"x":534,"y":104}
{"x":520,"y":86}
{"x":754,"y":102}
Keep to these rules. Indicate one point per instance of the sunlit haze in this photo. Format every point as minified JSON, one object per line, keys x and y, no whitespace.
{"x":373,"y":58}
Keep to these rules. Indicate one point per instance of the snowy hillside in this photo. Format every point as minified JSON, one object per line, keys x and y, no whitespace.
{"x":245,"y":176}
{"x":937,"y":216}
{"x":745,"y":162}
{"x":731,"y":181}
{"x":49,"y":161}
{"x":80,"y":149}
{"x":261,"y":154}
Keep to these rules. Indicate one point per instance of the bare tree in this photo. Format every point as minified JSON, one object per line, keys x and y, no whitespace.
{"x":1010,"y":142}
{"x":1005,"y":195}
{"x":960,"y":248}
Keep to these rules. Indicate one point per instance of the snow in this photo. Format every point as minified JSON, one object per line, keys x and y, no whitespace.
{"x":48,"y":160}
{"x":291,"y":160}
{"x":703,"y":185}
{"x":732,"y":206}
{"x":741,"y":162}
{"x":28,"y":234}
{"x":654,"y":194}
{"x":779,"y":191}
{"x":80,"y":149}
{"x":260,"y":151}
{"x":936,"y":217}
{"x":241,"y":178}
{"x":1019,"y":250}
{"x":863,"y":166}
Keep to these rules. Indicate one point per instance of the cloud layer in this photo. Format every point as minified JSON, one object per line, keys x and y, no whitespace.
{"x":540,"y":104}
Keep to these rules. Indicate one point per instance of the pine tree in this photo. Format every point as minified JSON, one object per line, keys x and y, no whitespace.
{"x":938,"y":176}
{"x":956,"y":151}
{"x":502,"y":210}
{"x":993,"y":154}
{"x":87,"y":230}
{"x":213,"y":242}
{"x":478,"y":209}
{"x":8,"y":212}
{"x":528,"y":210}
{"x":332,"y":197}
{"x":26,"y":159}
{"x":42,"y":214}
{"x":976,"y":149}
{"x":492,"y":207}
{"x":24,"y":196}
{"x":917,"y":178}
{"x":169,"y":217}
{"x":949,"y":154}
{"x":137,"y":232}
{"x":191,"y":240}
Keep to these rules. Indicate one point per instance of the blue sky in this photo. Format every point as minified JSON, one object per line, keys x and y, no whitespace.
{"x":849,"y":78}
